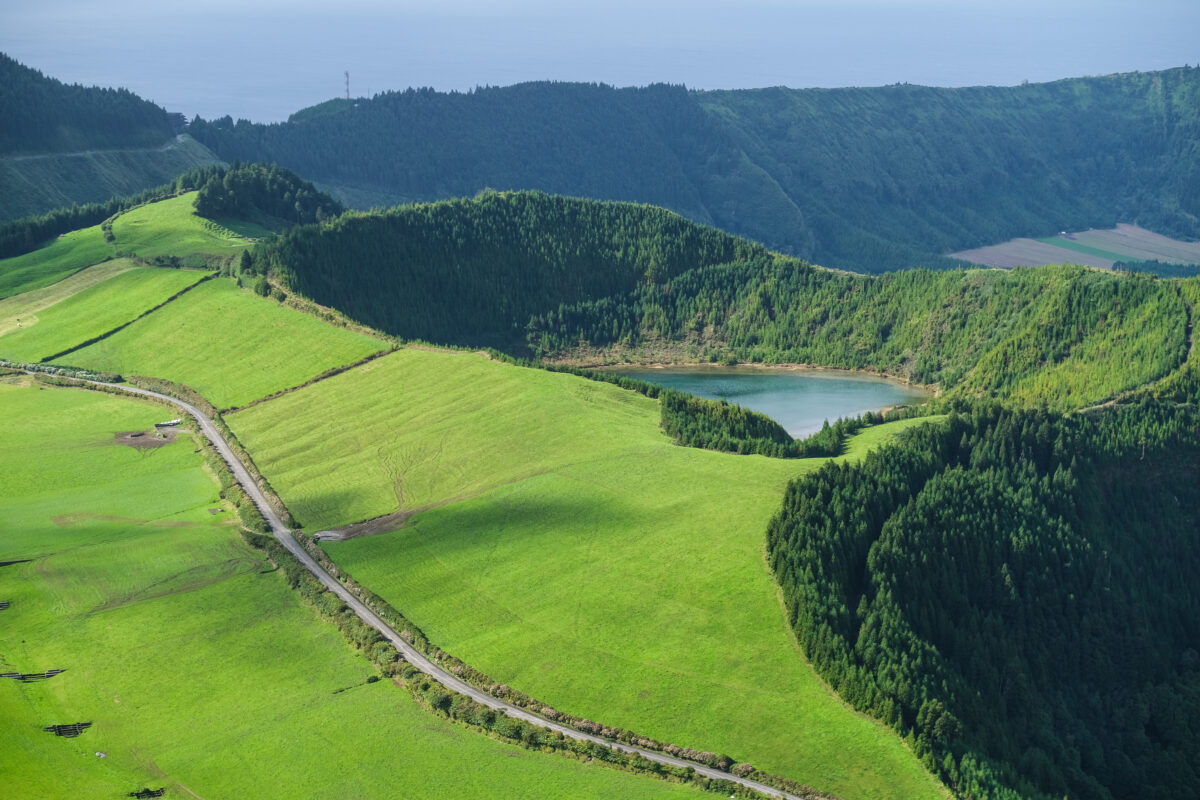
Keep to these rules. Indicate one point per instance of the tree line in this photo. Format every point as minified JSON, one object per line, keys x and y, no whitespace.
{"x":1012,"y":591}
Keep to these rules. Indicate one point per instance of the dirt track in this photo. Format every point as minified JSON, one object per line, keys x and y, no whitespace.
{"x":410,"y":654}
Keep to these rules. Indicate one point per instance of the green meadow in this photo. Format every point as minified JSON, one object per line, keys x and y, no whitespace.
{"x":22,"y":309}
{"x":64,"y":256}
{"x":94,"y":311}
{"x":229,"y":344}
{"x":570,"y":550}
{"x":197,"y":666}
{"x":171,"y":228}
{"x":166,"y":228}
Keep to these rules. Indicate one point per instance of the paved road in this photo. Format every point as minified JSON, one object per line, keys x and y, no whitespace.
{"x":410,"y":654}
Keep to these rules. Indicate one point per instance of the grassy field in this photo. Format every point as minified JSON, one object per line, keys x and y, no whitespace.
{"x":171,"y":228}
{"x":197,"y":666}
{"x":93,"y":311}
{"x":67,"y":254}
{"x":575,"y":553}
{"x":22,"y":309}
{"x":231,"y":345}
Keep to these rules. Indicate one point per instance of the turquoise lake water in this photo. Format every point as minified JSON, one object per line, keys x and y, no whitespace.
{"x":800,"y":400}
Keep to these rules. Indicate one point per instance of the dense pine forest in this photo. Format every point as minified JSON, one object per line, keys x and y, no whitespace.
{"x":865,"y":179}
{"x":44,"y":115}
{"x":472,"y":272}
{"x":1014,"y":593}
{"x":559,"y":278}
{"x":69,"y":145}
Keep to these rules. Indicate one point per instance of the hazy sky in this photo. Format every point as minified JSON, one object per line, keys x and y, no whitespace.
{"x":264,"y":60}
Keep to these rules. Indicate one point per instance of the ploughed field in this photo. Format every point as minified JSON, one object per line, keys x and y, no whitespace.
{"x":197,"y":667}
{"x":1093,"y":248}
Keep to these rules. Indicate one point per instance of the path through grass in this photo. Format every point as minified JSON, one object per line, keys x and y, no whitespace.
{"x":197,"y":666}
{"x":579,"y":557}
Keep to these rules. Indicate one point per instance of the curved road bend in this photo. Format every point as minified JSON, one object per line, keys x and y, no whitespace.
{"x":412,"y":655}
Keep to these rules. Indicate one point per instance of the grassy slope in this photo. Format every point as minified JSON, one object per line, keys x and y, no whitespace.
{"x":94,"y":311}
{"x":23,"y":308}
{"x":595,"y":565}
{"x":165,"y":228}
{"x":171,"y":228}
{"x":197,"y":666}
{"x":35,"y":185}
{"x":231,"y":345}
{"x":67,"y":254}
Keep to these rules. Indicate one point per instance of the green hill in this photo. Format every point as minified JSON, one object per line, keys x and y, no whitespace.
{"x":611,"y":282}
{"x":1014,"y":593}
{"x":866,"y":179}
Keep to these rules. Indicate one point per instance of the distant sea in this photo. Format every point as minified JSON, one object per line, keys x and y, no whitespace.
{"x":265,"y":60}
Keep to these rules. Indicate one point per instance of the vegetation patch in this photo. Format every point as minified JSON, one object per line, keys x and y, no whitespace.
{"x":230,"y":345}
{"x":1006,"y":589}
{"x":65,"y":256}
{"x":588,"y":535}
{"x":217,"y":664}
{"x":94,"y":312}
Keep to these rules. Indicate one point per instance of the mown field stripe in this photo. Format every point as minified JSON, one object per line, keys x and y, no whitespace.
{"x":123,"y":326}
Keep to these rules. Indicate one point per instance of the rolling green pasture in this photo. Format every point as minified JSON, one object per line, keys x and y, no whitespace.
{"x":94,"y":311}
{"x":576,"y":554}
{"x":231,"y":345}
{"x":171,"y":228}
{"x":67,"y":254}
{"x":198,"y":667}
{"x":22,"y":309}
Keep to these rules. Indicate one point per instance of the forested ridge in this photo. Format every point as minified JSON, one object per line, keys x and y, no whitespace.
{"x":866,"y":179}
{"x":45,"y":115}
{"x":251,"y":192}
{"x":1014,"y":592}
{"x":560,"y":279}
{"x":472,"y":272}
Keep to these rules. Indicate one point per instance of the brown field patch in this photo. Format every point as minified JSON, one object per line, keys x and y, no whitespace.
{"x":147,"y":440}
{"x":1028,"y":253}
{"x":1139,"y":244}
{"x":67,"y":520}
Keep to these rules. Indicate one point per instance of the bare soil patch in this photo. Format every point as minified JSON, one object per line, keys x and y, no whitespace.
{"x":67,"y":520}
{"x":1029,"y":253}
{"x":147,"y":440}
{"x":1129,"y":241}
{"x":1142,"y":245}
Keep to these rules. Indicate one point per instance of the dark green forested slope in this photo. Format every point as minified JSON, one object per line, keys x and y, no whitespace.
{"x":62,"y":145}
{"x":1069,"y":334}
{"x":44,"y":115}
{"x":1015,"y":593}
{"x":578,"y":278}
{"x":869,"y":179}
{"x":472,"y":272}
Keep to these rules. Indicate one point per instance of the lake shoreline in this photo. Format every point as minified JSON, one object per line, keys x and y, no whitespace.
{"x":800,"y":398}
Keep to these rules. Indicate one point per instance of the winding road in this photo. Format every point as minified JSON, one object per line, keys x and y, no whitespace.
{"x":410,"y":654}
